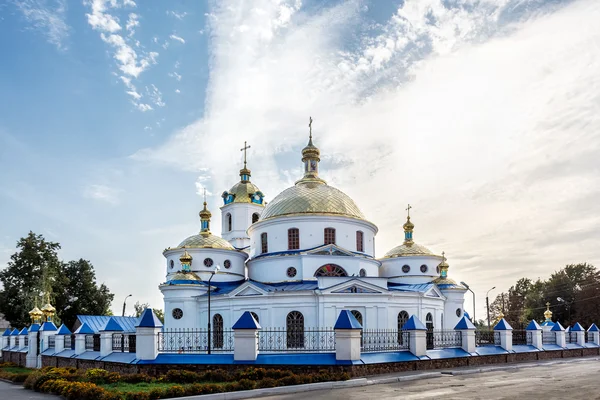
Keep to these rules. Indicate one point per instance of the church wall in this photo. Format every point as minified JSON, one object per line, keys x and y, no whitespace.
{"x":392,"y":268}
{"x":454,"y":300}
{"x":236,"y":272}
{"x":241,"y":219}
{"x":311,"y":233}
{"x":181,"y":297}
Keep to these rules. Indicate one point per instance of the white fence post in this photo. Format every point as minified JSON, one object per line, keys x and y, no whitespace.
{"x":595,"y":333}
{"x":106,"y":336}
{"x":417,"y":342}
{"x":347,"y":337}
{"x":505,"y":330}
{"x":536,"y":334}
{"x":579,"y":333}
{"x":245,"y":338}
{"x":467,"y":331}
{"x":559,"y":331}
{"x":146,"y":332}
{"x":31,"y":360}
{"x":80,"y":335}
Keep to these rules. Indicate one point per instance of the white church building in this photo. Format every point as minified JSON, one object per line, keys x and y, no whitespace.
{"x":298,"y":260}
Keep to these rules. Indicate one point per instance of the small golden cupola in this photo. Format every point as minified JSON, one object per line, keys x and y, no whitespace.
{"x":408,"y":248}
{"x":244,"y":191}
{"x":205,"y":220}
{"x":36,"y":315}
{"x":48,"y":310}
{"x":311,"y":156}
{"x":186,"y":261}
{"x":548,"y":313}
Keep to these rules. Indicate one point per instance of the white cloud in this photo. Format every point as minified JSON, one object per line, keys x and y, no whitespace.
{"x":474,"y":112}
{"x":102,"y":193}
{"x":132,"y":23}
{"x":177,"y":91}
{"x":175,"y":75}
{"x":178,"y":38}
{"x":143,"y":107}
{"x":155,"y":95}
{"x":177,"y":15}
{"x":48,"y":17}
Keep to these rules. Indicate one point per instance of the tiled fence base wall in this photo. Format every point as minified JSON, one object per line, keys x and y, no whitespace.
{"x":353,"y":370}
{"x":15,"y":357}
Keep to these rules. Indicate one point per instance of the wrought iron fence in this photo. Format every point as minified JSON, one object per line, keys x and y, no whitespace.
{"x":96,"y":342}
{"x":26,"y":343}
{"x":123,"y":343}
{"x":549,"y":337}
{"x":17,"y":341}
{"x":67,"y":341}
{"x":443,"y":339}
{"x":522,"y":337}
{"x":588,"y":338}
{"x":487,"y":338}
{"x":89,"y":342}
{"x":571,"y":337}
{"x":384,"y":340}
{"x":313,"y":340}
{"x":222,"y":340}
{"x":183,"y":341}
{"x":51,"y":341}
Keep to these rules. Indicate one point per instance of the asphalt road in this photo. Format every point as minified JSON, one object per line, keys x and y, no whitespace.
{"x":572,"y":380}
{"x":10,"y":391}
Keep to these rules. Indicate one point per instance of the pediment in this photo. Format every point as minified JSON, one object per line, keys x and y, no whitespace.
{"x":247,"y":289}
{"x":330,"y":250}
{"x":355,"y":285}
{"x":434,"y":292}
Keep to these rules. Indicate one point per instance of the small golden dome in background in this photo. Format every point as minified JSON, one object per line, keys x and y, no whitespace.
{"x":548,"y":313}
{"x":36,"y":314}
{"x":185,"y":257}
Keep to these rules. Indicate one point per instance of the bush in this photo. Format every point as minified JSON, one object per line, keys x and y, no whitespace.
{"x":136,"y":378}
{"x":83,"y":391}
{"x":179,"y":376}
{"x":156,"y":394}
{"x":100,"y":376}
{"x":139,"y":396}
{"x":266,"y":383}
{"x":217,"y":375}
{"x":175,"y":391}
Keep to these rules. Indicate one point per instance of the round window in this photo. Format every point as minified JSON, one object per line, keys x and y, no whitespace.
{"x":406,"y":269}
{"x":172,"y":264}
{"x":177,"y":313}
{"x":227,"y":264}
{"x":208,"y":262}
{"x":458,"y":312}
{"x":291,"y":272}
{"x":424,"y":268}
{"x":362,"y":273}
{"x":437,"y":270}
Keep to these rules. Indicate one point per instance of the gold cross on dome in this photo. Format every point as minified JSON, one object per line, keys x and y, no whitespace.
{"x":408,"y":209}
{"x":204,"y":195}
{"x":444,"y":255}
{"x":310,"y":120}
{"x":246,"y":147}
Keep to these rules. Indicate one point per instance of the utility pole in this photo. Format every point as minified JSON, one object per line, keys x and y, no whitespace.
{"x":487,"y":303}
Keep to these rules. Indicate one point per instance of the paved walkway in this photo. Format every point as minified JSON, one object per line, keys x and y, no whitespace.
{"x":575,"y":379}
{"x":9,"y":391}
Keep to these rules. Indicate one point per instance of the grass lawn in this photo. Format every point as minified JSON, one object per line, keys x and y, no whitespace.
{"x":121,"y":387}
{"x":17,"y":370}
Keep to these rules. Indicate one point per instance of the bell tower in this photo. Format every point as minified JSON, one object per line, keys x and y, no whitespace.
{"x":242,"y":206}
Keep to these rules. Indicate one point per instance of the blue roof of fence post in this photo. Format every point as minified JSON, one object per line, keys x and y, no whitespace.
{"x":246,"y":321}
{"x":502,"y":325}
{"x":15,"y":332}
{"x":112,"y":326}
{"x":34,"y":328}
{"x":6,"y":332}
{"x":347,"y":321}
{"x":593,"y":328}
{"x":577,"y":328}
{"x":149,"y":320}
{"x":23,"y":332}
{"x":557,"y":327}
{"x":84,"y":330}
{"x":413,"y":324}
{"x":464,"y":323}
{"x":533,"y":326}
{"x":63,"y":330}
{"x":48,"y":327}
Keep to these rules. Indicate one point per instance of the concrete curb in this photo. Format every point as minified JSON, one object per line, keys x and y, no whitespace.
{"x":508,"y":367}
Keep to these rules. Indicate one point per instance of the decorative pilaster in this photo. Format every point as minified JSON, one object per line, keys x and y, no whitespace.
{"x":245,"y":338}
{"x":347,"y":337}
{"x":146,"y":336}
{"x":505,"y":330}
{"x":467,"y":330}
{"x":417,"y":343}
{"x":536,"y":334}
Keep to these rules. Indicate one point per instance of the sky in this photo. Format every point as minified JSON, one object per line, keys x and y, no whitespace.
{"x":484,"y":115}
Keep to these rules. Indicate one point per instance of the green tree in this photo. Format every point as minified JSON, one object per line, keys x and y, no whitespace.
{"x":140,"y":307}
{"x":31,"y":271}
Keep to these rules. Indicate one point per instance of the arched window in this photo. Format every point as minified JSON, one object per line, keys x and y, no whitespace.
{"x":255,"y":217}
{"x":362,"y":273}
{"x":255,"y":315}
{"x":402,"y":319}
{"x":429,"y":335}
{"x":228,"y":222}
{"x":358,"y":316}
{"x":264,"y":245}
{"x":294,"y":323}
{"x":217,"y":328}
{"x":293,"y":239}
{"x":331,"y":270}
{"x":360,"y":243}
{"x":329,"y":236}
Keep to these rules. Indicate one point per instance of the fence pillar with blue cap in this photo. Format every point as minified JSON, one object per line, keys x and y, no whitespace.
{"x":31,"y":361}
{"x":59,"y":342}
{"x":559,"y":331}
{"x":347,"y":337}
{"x":106,"y":336}
{"x":5,"y":339}
{"x":48,"y":329}
{"x":505,"y":331}
{"x":22,"y":335}
{"x":245,"y":338}
{"x":467,"y":331}
{"x":14,"y":335}
{"x":146,"y":335}
{"x":579,"y":334}
{"x":594,"y":334}
{"x":80,"y":335}
{"x":535,"y":330}
{"x":417,"y":341}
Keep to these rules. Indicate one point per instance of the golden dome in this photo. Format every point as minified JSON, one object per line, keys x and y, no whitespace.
{"x":408,"y":250}
{"x":36,"y":312}
{"x":242,"y":192}
{"x":548,"y":313}
{"x":186,"y":276}
{"x":185,"y":257}
{"x":204,"y":213}
{"x":205,"y":240}
{"x":310,"y":197}
{"x":48,"y":309}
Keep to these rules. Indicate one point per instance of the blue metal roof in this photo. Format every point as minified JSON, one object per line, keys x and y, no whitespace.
{"x":533,"y":326}
{"x":246,"y":321}
{"x":63,"y":330}
{"x":557,"y":327}
{"x":593,"y":328}
{"x":6,"y":332}
{"x":48,"y":326}
{"x":34,"y":328}
{"x":85,"y":329}
{"x":577,"y":328}
{"x":403,"y":287}
{"x":228,"y":287}
{"x":149,"y":320}
{"x":23,"y":332}
{"x":15,"y":332}
{"x":503,"y":325}
{"x":112,"y":326}
{"x":464,"y":323}
{"x":97,"y":322}
{"x":414,"y":324}
{"x":347,"y":320}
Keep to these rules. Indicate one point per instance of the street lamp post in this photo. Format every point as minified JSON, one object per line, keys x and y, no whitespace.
{"x":469,"y":289}
{"x":217,"y":268}
{"x":124,"y":301}
{"x":568,"y":304}
{"x":487,"y":304}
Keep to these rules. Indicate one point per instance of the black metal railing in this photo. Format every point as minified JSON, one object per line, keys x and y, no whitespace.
{"x":222,"y":340}
{"x":51,"y":341}
{"x":588,"y":337}
{"x":17,"y":341}
{"x":72,"y":342}
{"x":444,"y":338}
{"x":571,"y":337}
{"x":313,"y":340}
{"x":132,"y":343}
{"x":89,"y":342}
{"x":183,"y":341}
{"x":96,"y":342}
{"x":487,"y":338}
{"x":123,"y":343}
{"x":384,"y":340}
{"x":67,"y":341}
{"x":26,"y":343}
{"x":549,"y":337}
{"x":520,"y":337}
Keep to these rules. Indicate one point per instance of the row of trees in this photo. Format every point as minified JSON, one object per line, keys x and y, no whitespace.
{"x":36,"y":271}
{"x":573,"y":294}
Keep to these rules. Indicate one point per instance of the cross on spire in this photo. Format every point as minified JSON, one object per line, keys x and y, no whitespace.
{"x":204,"y":196}
{"x":408,"y":209}
{"x":246,"y":147}
{"x":444,"y":255}
{"x":310,"y":121}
